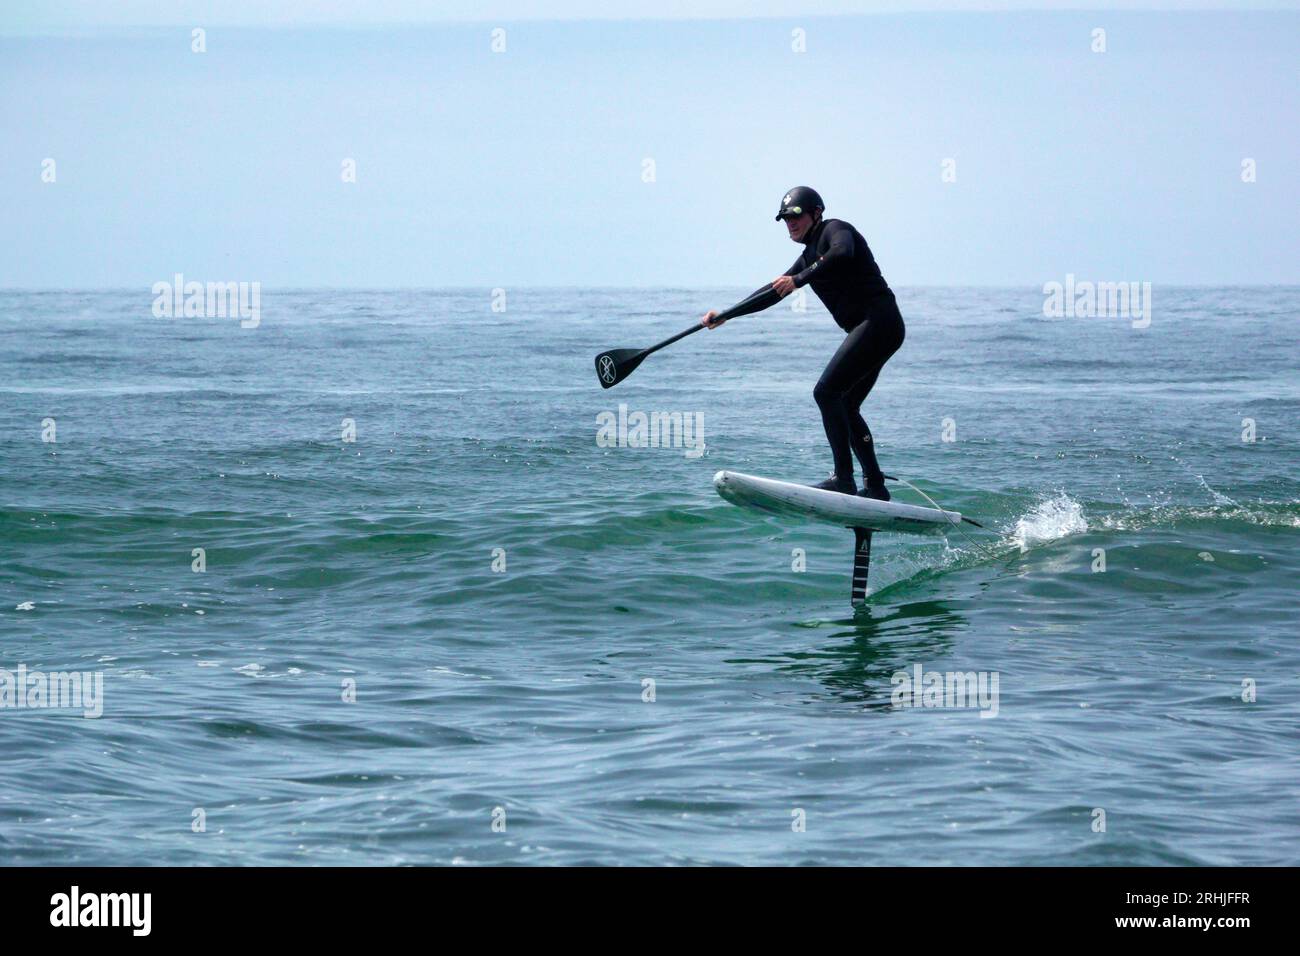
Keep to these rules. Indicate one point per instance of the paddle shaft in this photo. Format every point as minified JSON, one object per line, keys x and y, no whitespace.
{"x":666,"y":342}
{"x":760,"y":300}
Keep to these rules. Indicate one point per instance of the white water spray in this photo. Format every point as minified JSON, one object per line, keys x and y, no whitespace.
{"x":1050,"y":519}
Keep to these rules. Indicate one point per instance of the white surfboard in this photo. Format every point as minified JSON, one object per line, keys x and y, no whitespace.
{"x":784,"y":497}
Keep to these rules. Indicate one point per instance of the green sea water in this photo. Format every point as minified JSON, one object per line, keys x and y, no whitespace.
{"x":471,"y":633}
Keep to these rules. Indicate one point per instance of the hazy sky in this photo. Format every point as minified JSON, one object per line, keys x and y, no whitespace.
{"x":528,"y":166}
{"x":59,"y":14}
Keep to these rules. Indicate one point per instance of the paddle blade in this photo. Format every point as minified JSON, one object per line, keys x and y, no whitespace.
{"x":617,"y":364}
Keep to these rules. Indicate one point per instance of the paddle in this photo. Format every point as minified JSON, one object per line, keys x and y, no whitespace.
{"x":617,"y":364}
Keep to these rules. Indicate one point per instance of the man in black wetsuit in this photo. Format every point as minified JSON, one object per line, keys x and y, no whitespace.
{"x":839,"y":266}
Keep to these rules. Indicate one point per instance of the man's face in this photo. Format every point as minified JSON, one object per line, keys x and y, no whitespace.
{"x":799,"y":225}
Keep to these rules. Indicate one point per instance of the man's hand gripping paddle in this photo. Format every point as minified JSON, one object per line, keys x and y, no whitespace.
{"x":617,"y":364}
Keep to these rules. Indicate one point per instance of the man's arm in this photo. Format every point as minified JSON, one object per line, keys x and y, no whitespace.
{"x":839,"y":250}
{"x":793,"y":270}
{"x":756,"y":301}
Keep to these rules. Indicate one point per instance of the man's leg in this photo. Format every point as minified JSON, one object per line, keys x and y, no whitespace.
{"x":860,"y":435}
{"x":853,"y":362}
{"x":848,"y":379}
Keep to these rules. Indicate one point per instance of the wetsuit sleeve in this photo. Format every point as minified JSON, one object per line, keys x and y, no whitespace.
{"x":840,"y":249}
{"x":757,"y":301}
{"x":763,"y":298}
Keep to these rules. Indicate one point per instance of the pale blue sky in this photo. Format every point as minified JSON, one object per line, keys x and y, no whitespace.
{"x":60,"y":14}
{"x":525,"y":167}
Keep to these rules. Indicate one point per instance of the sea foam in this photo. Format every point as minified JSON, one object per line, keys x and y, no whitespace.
{"x":1050,"y":519}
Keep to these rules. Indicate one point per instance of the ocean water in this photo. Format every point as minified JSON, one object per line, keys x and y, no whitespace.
{"x":567,"y":653}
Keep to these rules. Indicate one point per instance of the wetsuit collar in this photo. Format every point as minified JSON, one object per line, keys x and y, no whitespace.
{"x":815,"y":233}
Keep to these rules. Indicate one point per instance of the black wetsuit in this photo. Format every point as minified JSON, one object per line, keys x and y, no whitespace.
{"x":839,"y":266}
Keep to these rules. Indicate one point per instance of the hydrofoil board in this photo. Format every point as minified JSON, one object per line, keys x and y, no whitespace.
{"x":850,"y":511}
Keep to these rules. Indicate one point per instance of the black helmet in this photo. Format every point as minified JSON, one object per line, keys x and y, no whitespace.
{"x":799,"y":200}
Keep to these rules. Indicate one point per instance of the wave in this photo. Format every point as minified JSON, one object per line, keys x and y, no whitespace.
{"x":1048,"y":520}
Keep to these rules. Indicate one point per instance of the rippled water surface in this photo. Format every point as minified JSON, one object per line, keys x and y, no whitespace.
{"x":523,"y":686}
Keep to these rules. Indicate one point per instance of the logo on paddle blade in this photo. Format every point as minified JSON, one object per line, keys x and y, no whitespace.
{"x":607,"y":371}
